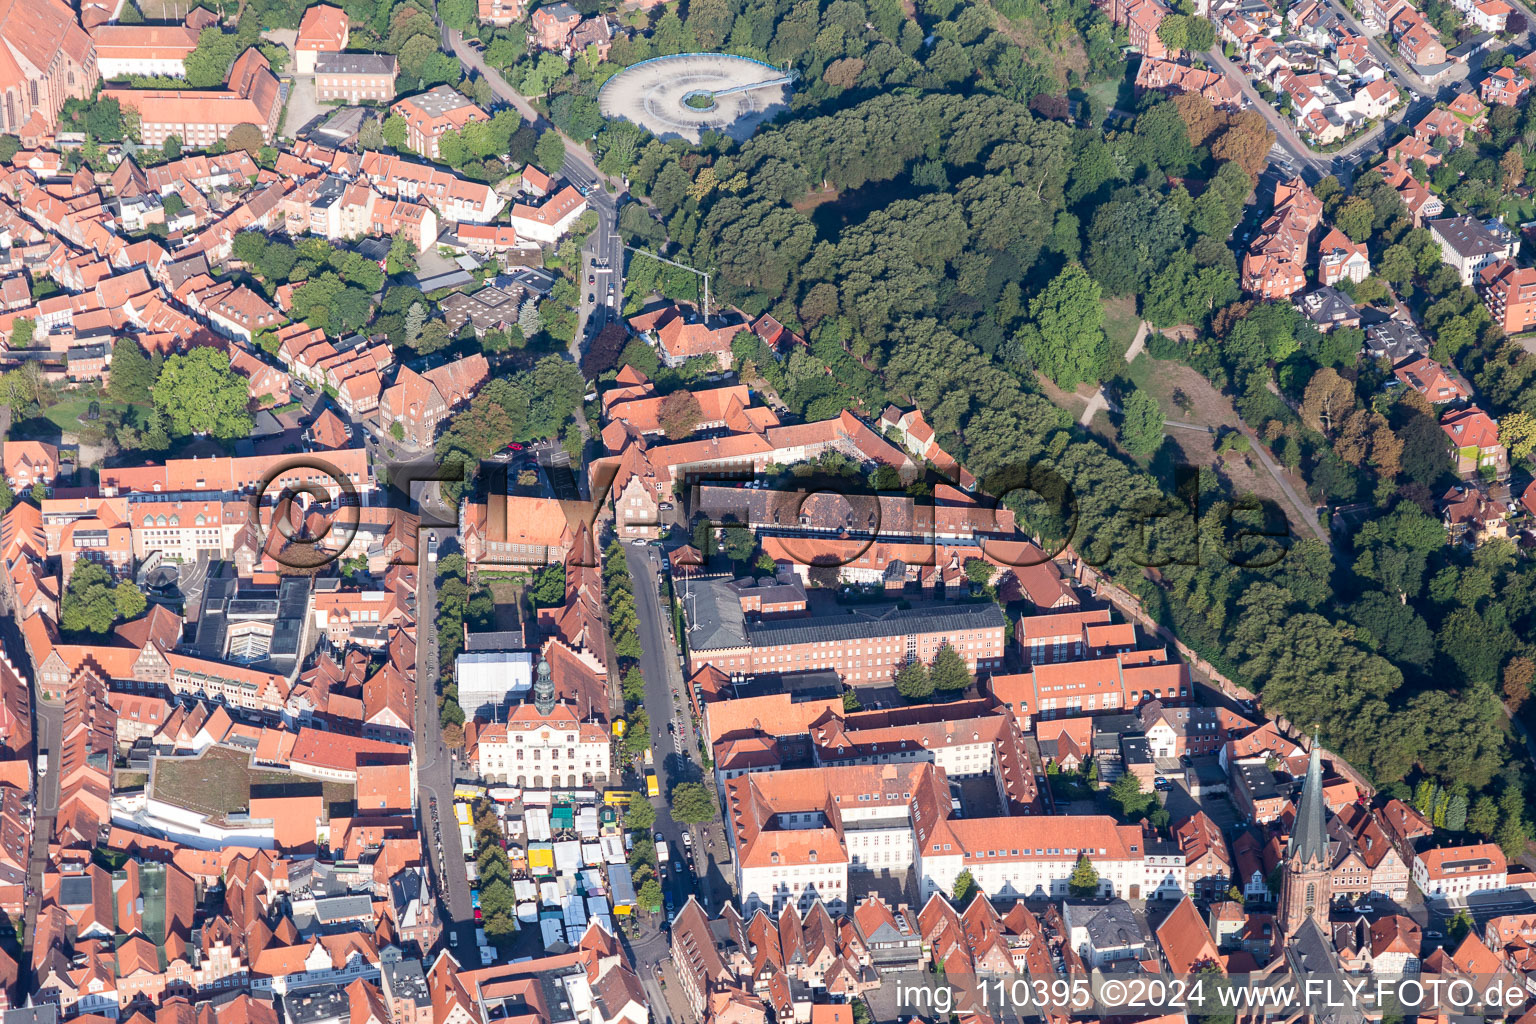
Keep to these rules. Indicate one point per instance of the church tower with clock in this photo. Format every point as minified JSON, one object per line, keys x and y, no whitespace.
{"x":1306,"y":889}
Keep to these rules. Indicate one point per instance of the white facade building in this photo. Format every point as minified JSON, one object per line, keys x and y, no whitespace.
{"x":797,"y":835}
{"x":1454,"y":873}
{"x":533,"y":749}
{"x":549,"y":222}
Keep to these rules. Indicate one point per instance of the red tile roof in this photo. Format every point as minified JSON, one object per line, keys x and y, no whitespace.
{"x":323,"y":28}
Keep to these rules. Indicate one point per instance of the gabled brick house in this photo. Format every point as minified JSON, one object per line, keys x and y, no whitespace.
{"x":420,"y":402}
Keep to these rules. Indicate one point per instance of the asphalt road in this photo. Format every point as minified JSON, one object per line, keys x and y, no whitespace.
{"x":602,"y":261}
{"x":434,"y":780}
{"x":48,"y":736}
{"x":47,"y":721}
{"x":675,"y":752}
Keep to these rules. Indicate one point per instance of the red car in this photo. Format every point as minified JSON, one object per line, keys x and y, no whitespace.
{"x":478,"y":916}
{"x":515,"y":446}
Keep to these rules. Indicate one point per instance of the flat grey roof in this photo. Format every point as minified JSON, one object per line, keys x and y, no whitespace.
{"x":437,"y":101}
{"x":406,"y":978}
{"x":316,"y":1004}
{"x":504,"y":640}
{"x":341,"y":908}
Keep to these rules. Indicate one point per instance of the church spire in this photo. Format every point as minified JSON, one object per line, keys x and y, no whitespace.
{"x":1309,"y":839}
{"x":543,"y":689}
{"x":1306,"y":888}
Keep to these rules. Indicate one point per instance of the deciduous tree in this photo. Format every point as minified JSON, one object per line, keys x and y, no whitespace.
{"x":693,"y":803}
{"x":639,"y":815}
{"x":949,"y":673}
{"x":199,"y":394}
{"x":1517,"y":432}
{"x":1518,"y":676}
{"x":549,"y":154}
{"x":1067,"y":341}
{"x":1355,"y":218}
{"x":247,"y":137}
{"x":90,"y":603}
{"x":679,"y":414}
{"x":1329,"y":398}
{"x":1141,"y":428}
{"x":393,"y":131}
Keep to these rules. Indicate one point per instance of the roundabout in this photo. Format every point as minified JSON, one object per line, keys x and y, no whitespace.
{"x":685,"y":95}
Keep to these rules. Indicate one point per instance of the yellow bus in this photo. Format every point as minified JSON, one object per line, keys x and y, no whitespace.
{"x":618,"y":797}
{"x":651,"y":786}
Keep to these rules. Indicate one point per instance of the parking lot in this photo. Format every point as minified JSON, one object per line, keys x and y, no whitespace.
{"x":1181,"y":803}
{"x":303,"y":106}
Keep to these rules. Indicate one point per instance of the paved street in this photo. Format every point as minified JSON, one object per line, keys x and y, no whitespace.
{"x":47,"y":732}
{"x":602,"y":271}
{"x":1481,"y":906}
{"x":434,"y":777}
{"x":676,"y":755}
{"x":49,"y":721}
{"x":1286,"y":134}
{"x":579,"y":166}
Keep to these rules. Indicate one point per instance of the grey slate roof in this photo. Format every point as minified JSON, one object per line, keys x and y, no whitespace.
{"x":1309,"y":839}
{"x":860,"y":625}
{"x":333,"y":63}
{"x":713,"y":612}
{"x":1467,"y":235}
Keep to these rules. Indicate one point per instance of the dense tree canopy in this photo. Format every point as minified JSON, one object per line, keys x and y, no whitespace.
{"x":93,"y":603}
{"x":199,"y":394}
